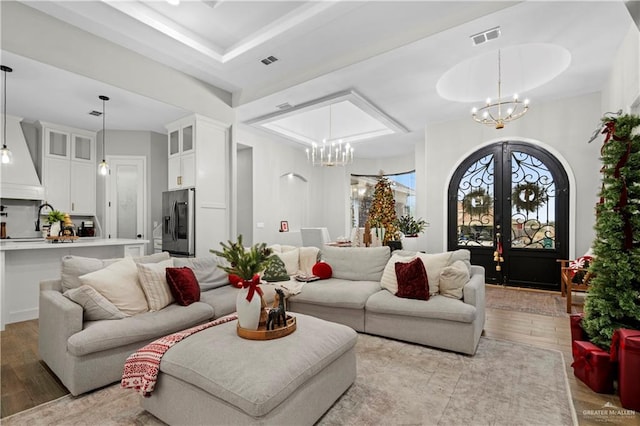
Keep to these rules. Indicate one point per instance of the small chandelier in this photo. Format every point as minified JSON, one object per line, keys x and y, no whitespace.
{"x":331,"y":152}
{"x":103,"y":167}
{"x":5,"y":153}
{"x":492,"y":113}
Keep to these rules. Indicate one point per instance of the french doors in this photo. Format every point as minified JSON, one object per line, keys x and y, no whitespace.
{"x":508,"y":203}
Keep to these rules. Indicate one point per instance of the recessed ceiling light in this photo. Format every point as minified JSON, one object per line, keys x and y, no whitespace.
{"x":485,"y":36}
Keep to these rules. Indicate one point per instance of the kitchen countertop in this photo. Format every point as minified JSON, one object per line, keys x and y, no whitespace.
{"x":38,"y":244}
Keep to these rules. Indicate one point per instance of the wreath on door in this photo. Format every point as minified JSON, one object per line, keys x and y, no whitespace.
{"x":477,"y":202}
{"x":529,"y":196}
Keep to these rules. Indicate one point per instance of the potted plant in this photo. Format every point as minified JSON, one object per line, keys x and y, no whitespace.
{"x":411,"y":226}
{"x":53,"y":219}
{"x":247,"y":265}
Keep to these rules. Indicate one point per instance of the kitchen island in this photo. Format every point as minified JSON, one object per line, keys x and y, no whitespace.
{"x":27,"y":262}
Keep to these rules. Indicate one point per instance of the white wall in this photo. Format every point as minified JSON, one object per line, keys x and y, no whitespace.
{"x":245,"y":195}
{"x":622,"y":88}
{"x":562,"y":127}
{"x":157,"y":177}
{"x":272,"y":159}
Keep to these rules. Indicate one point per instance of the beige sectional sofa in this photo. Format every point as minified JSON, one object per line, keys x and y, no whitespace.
{"x":86,"y":355}
{"x":354,"y":297}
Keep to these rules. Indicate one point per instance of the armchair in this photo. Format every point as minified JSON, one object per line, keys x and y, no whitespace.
{"x":574,"y":276}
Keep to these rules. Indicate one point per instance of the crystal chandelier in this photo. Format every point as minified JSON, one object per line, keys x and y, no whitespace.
{"x":331,"y":152}
{"x":492,"y":113}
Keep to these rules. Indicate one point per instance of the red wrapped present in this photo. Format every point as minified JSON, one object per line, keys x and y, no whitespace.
{"x":577,"y":332}
{"x":625,"y":348}
{"x":593,"y":366}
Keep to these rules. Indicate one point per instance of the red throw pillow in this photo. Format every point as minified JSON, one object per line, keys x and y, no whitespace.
{"x":412,"y":280}
{"x":183,"y":285}
{"x":322,"y":270}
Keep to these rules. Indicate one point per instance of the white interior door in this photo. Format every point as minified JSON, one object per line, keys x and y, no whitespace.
{"x":126,"y":197}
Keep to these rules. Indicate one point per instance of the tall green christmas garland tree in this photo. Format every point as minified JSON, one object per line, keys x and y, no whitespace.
{"x":613,"y":300}
{"x":382,"y":213}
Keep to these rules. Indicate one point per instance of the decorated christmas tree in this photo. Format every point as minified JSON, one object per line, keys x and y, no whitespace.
{"x":382,"y":213}
{"x":613,"y":300}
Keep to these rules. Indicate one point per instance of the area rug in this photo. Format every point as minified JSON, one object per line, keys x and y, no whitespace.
{"x":533,"y":302}
{"x":397,"y":383}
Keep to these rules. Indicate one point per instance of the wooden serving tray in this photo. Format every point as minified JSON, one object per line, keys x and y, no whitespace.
{"x":263,"y":334}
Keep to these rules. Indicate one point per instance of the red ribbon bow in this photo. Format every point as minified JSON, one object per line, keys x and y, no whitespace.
{"x":253,"y":287}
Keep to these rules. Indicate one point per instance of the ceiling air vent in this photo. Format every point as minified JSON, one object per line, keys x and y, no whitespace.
{"x":285,"y":105}
{"x":95,"y":113}
{"x":485,"y":36}
{"x":269,"y":60}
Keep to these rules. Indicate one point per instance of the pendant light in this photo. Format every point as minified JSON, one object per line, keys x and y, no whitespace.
{"x":5,"y":154}
{"x":103,"y":168}
{"x":332,"y":152}
{"x":500,"y":111}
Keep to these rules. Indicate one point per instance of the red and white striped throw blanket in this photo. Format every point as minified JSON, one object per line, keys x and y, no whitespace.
{"x":142,"y":367}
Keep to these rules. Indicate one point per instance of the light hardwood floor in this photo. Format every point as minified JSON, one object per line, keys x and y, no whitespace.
{"x":27,"y":382}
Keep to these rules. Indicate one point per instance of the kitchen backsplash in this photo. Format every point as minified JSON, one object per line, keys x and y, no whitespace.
{"x":21,"y":218}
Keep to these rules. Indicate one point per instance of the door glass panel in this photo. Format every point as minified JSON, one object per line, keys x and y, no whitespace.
{"x":533,"y":194}
{"x":174,"y":144}
{"x":82,"y":148}
{"x":187,"y":138}
{"x":475,"y":216}
{"x":58,"y":144}
{"x":127,"y":200}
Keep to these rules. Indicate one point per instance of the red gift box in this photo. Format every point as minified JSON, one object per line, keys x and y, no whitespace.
{"x":625,"y":348}
{"x":577,"y":332}
{"x":593,"y":366}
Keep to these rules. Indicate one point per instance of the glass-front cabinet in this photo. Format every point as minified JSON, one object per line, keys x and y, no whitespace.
{"x":69,"y":168}
{"x":181,"y":166}
{"x":57,"y":144}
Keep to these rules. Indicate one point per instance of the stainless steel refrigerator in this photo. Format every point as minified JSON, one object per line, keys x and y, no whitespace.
{"x":178,"y":222}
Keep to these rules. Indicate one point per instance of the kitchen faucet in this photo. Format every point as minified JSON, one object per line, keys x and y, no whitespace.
{"x":39,"y":211}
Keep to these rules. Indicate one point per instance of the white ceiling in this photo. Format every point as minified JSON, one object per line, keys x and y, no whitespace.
{"x":393,"y":53}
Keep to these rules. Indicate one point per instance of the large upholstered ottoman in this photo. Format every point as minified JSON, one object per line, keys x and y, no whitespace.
{"x":216,"y":377}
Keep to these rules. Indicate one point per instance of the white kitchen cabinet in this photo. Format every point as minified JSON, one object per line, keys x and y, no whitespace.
{"x":69,"y":168}
{"x":134,"y":250}
{"x":181,"y":145}
{"x":199,"y":157}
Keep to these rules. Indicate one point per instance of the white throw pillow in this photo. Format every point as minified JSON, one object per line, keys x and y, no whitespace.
{"x":308,"y":257}
{"x":153,"y":280}
{"x":118,"y":282}
{"x":453,"y":278}
{"x":434,"y":264}
{"x":276,"y":248}
{"x":389,"y":279}
{"x":95,"y":306}
{"x":290,"y":260}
